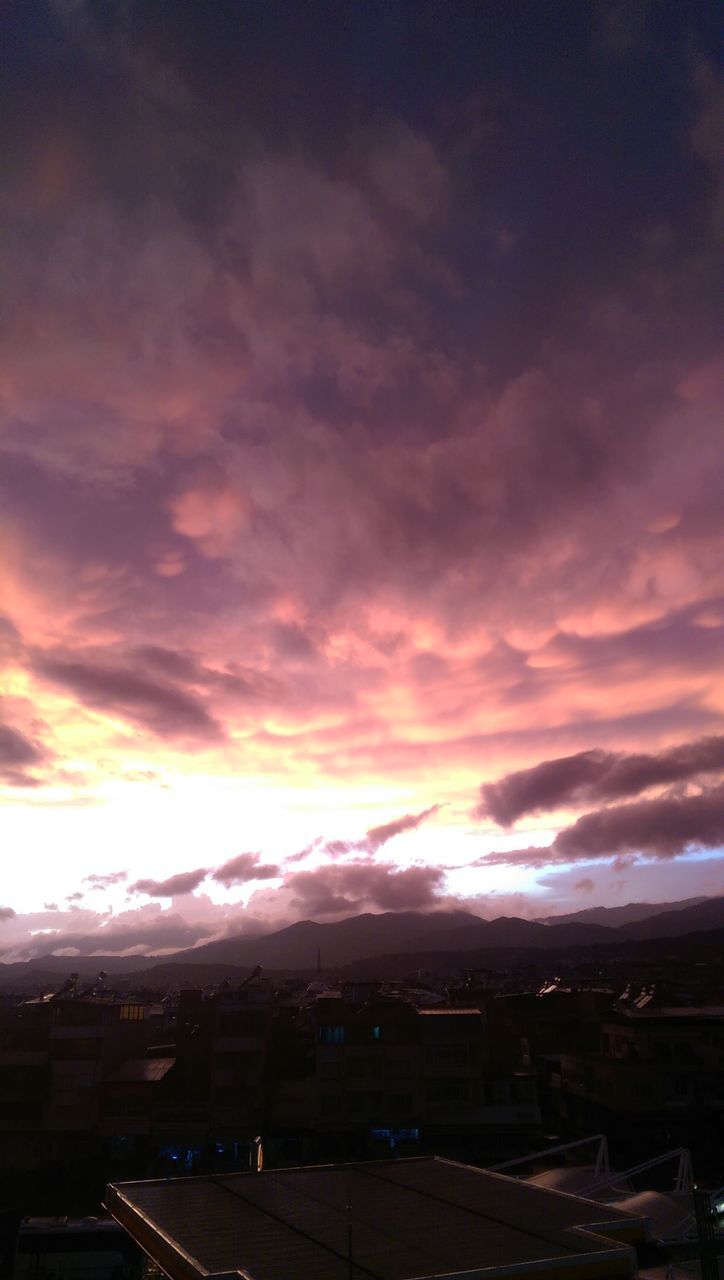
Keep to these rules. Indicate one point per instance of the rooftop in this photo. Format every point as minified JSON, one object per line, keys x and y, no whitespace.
{"x":425,"y":1217}
{"x":448,"y":1012}
{"x":142,"y":1070}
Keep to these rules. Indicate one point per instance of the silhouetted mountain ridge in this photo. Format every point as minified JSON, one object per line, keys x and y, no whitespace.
{"x":614,"y":917}
{"x":364,"y":937}
{"x":678,"y":921}
{"x":336,"y":942}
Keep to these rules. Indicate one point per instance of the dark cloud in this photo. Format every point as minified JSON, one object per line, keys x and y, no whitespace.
{"x":291,"y":641}
{"x":339,"y":848}
{"x":171,"y":663}
{"x":662,"y":828}
{"x":74,"y":897}
{"x":375,"y":837}
{"x":378,"y":836}
{"x":104,"y":881}
{"x":162,"y":708}
{"x":243,"y":868}
{"x":18,"y":753}
{"x":6,"y":913}
{"x":174,"y":886}
{"x":332,"y":889}
{"x":595,"y":777}
{"x":16,"y":749}
{"x":50,"y":906}
{"x":437,"y":460}
{"x":185,"y":668}
{"x":142,"y":930}
{"x":306,"y":851}
{"x":586,"y":885}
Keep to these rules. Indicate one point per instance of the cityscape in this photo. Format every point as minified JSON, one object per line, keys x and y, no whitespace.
{"x":572,"y":1065}
{"x":361,"y":640}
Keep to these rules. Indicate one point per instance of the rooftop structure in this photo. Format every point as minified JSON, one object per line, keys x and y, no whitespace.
{"x":382,"y":1220}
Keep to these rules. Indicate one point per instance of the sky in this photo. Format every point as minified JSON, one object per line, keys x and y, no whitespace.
{"x":360,"y":463}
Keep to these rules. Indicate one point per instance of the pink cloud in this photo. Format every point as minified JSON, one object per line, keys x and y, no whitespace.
{"x":343,"y":888}
{"x":315,"y":473}
{"x":105,"y":881}
{"x":592,"y":776}
{"x":243,"y":868}
{"x":663,"y":828}
{"x":212,"y":517}
{"x":18,"y":755}
{"x":156,"y":704}
{"x":131,"y":932}
{"x":379,"y":836}
{"x":172,"y":887}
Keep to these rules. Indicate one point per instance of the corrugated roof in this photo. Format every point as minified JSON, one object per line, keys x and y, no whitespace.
{"x":142,"y":1069}
{"x":448,"y":1013}
{"x":408,"y":1218}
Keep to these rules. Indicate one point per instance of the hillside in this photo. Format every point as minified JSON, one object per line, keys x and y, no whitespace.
{"x":371,"y":937}
{"x":614,"y":917}
{"x":708,"y":914}
{"x":297,"y":946}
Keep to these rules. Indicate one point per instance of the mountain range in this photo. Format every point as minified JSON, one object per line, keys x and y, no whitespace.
{"x":616,"y":916}
{"x":307,"y":943}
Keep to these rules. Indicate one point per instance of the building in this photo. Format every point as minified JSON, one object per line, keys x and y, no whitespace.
{"x":655,"y":1080}
{"x":387,"y":1073}
{"x":56,"y":1054}
{"x":382,"y":1220}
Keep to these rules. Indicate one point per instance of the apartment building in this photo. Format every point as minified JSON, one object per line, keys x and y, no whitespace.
{"x":389,"y":1074}
{"x":655,"y":1079}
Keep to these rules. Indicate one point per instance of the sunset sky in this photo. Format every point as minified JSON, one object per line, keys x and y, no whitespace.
{"x":361,"y":477}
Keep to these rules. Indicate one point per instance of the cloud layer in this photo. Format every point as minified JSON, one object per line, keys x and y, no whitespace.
{"x":664,"y":828}
{"x":596,"y":777}
{"x":356,"y":447}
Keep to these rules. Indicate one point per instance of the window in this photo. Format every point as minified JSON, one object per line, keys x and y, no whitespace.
{"x":330,"y":1035}
{"x":395,"y":1136}
{"x":132,"y":1013}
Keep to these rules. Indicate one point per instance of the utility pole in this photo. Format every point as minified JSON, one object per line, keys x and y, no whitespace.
{"x":350,"y":1264}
